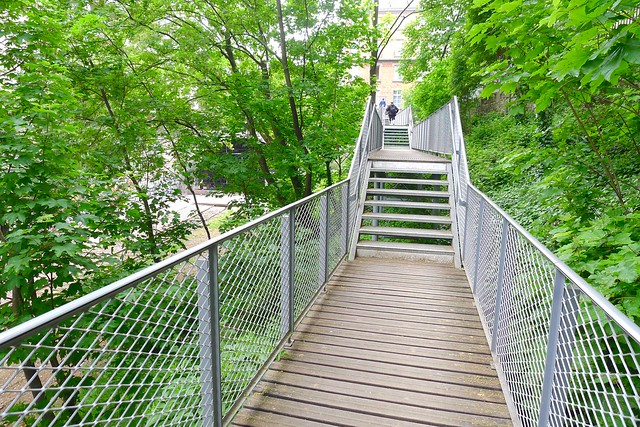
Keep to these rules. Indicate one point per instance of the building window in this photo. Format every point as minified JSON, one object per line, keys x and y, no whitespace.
{"x":397,"y":98}
{"x":396,"y":73}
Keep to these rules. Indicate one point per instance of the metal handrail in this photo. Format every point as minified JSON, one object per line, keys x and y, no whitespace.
{"x":553,"y":336}
{"x":177,"y":324}
{"x":284,"y":257}
{"x":187,"y":338}
{"x":51,"y":318}
{"x":620,"y":318}
{"x":404,"y":117}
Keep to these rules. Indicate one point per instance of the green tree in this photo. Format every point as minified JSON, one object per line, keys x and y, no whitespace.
{"x":437,"y":57}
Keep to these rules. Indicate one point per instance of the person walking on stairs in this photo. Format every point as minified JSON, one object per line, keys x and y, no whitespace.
{"x":392,"y":110}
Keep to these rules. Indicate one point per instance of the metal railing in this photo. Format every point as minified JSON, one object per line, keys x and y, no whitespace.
{"x":404,"y":117}
{"x":181,"y":342}
{"x":370,"y":139}
{"x":434,"y":134}
{"x":565,"y":355}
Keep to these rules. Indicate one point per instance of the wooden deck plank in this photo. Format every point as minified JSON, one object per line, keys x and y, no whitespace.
{"x":404,"y":327}
{"x":388,"y":343}
{"x":314,"y":335}
{"x":432,"y":307}
{"x":258,"y":417}
{"x":416,"y":318}
{"x":370,"y":406}
{"x":360,"y":409}
{"x":390,"y":281}
{"x":433,"y":314}
{"x":436,"y":286}
{"x":432,"y":289}
{"x":403,"y":279}
{"x":373,"y":294}
{"x":382,"y":339}
{"x":415,"y":399}
{"x":398,"y":358}
{"x":389,"y":379}
{"x":326,"y":414}
{"x":435,"y":338}
{"x":399,"y":371}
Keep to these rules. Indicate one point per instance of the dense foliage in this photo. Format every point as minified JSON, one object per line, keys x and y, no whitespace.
{"x":556,"y":140}
{"x":110,"y":109}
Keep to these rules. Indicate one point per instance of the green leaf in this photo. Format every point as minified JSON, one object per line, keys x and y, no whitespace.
{"x":509,"y":7}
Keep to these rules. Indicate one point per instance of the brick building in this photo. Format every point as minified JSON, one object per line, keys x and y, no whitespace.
{"x":390,"y":84}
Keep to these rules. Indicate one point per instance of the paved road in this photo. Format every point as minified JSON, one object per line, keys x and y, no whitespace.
{"x":210,"y":206}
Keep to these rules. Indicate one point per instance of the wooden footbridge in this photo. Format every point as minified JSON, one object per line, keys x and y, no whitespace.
{"x":400,"y":296}
{"x":390,"y":342}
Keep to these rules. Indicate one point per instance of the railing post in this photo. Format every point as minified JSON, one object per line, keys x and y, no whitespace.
{"x":287,"y":259}
{"x":478,"y":240}
{"x":500,"y":288}
{"x":466,"y":227}
{"x":209,"y":338}
{"x":324,"y":239}
{"x":344,"y":245}
{"x":427,"y":140}
{"x":559,"y":351}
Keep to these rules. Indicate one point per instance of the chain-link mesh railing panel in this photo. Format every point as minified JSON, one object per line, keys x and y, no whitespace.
{"x":487,"y":269}
{"x":597,"y":372}
{"x":434,"y":133}
{"x":308,"y":253}
{"x":357,"y":175}
{"x":443,"y":142}
{"x":461,"y":218}
{"x":470,"y":236}
{"x":419,"y":136}
{"x":404,"y":117}
{"x":133,"y":359}
{"x":524,"y":323}
{"x":589,"y":375}
{"x":336,"y":237}
{"x":376,"y":132}
{"x":253,"y":304}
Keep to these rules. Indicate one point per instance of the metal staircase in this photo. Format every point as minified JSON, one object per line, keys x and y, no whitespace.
{"x":396,"y":136}
{"x":407,"y":210}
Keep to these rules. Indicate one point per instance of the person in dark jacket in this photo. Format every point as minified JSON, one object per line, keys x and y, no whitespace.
{"x":392,"y":110}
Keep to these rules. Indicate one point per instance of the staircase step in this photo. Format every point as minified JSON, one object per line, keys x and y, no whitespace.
{"x":432,"y":219}
{"x":422,"y":170}
{"x":409,"y":181}
{"x":407,"y":193}
{"x":394,"y":127}
{"x":404,"y":204}
{"x":407,"y":232}
{"x":418,"y":248}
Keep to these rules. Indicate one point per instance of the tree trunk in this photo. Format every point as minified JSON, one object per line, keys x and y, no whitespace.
{"x":297,"y":129}
{"x":373,"y":61}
